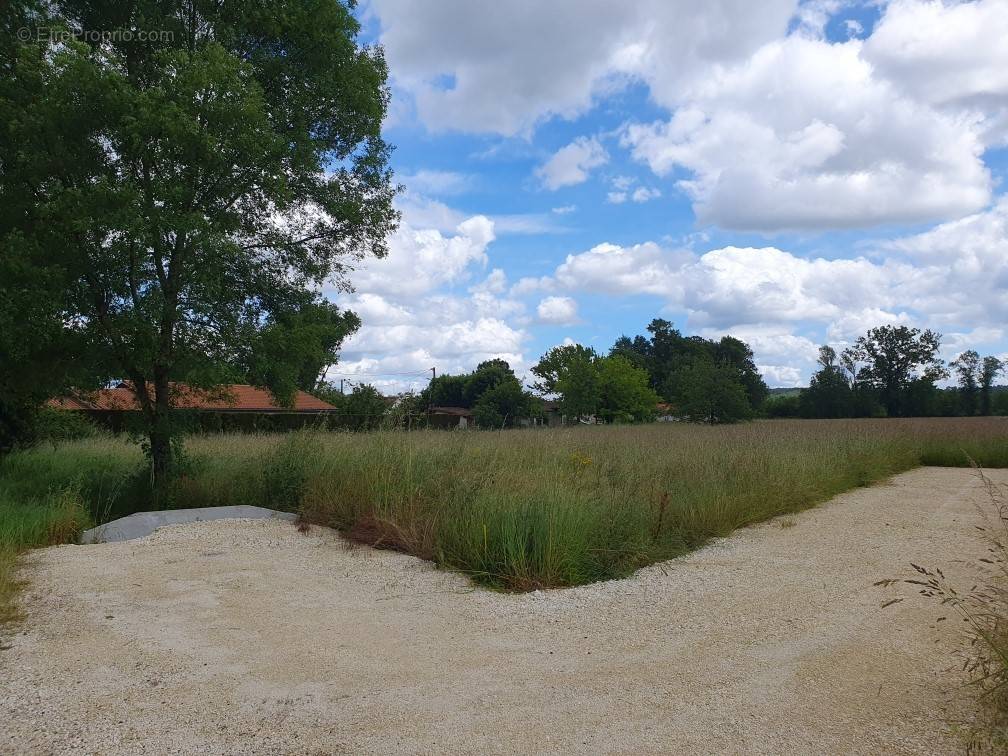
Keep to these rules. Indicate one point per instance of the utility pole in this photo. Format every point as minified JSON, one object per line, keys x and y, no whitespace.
{"x":341,"y":386}
{"x":430,"y":397}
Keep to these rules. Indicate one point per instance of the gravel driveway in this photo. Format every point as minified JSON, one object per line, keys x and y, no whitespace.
{"x":249,"y":637}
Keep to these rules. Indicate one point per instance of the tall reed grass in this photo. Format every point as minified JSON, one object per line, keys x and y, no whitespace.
{"x":520,"y":509}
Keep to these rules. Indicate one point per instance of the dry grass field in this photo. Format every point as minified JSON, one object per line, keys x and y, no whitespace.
{"x":515,"y":510}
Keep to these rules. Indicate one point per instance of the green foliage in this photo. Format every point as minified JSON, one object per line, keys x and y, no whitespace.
{"x":737,"y":354}
{"x":448,"y":391}
{"x":293,"y":350}
{"x":492,"y":391}
{"x":892,"y":371}
{"x":486,"y":376}
{"x":966,"y":368}
{"x":40,"y":355}
{"x":711,"y":393}
{"x":990,"y":369}
{"x":189,"y":193}
{"x":830,"y":393}
{"x":676,"y":365}
{"x":999,"y":401}
{"x":488,"y":417}
{"x":612,"y":388}
{"x":783,"y":405}
{"x":55,"y":425}
{"x":286,"y":468}
{"x":623,"y":390}
{"x":553,"y":366}
{"x":578,"y":385}
{"x":362,"y":409}
{"x":888,"y":359}
{"x":502,"y":405}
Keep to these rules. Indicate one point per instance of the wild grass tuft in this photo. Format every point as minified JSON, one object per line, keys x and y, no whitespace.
{"x":55,"y":518}
{"x":983,"y":609}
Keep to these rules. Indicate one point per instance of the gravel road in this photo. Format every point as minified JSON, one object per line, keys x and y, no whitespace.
{"x":250,"y":637}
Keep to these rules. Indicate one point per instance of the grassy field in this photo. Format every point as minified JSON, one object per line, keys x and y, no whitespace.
{"x":515,"y":510}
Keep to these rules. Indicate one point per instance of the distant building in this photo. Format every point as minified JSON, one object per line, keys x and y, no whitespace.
{"x":235,"y":405}
{"x":458,"y":418}
{"x":554,"y":418}
{"x":551,"y":413}
{"x":235,"y":397}
{"x":666,"y":413}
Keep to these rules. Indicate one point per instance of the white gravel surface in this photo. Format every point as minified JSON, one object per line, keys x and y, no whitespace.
{"x":250,"y":637}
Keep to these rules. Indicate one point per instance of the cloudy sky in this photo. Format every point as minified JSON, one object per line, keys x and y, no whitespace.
{"x":788,"y":172}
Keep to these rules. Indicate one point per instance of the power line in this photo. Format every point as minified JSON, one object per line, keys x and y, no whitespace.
{"x":415,"y":374}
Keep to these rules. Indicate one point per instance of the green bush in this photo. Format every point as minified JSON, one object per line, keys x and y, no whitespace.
{"x":55,"y":425}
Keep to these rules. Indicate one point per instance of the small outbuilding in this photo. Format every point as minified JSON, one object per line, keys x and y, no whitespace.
{"x":451,"y":418}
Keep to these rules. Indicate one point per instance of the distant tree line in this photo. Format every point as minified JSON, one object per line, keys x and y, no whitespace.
{"x":890,"y":371}
{"x":492,"y":391}
{"x":610,"y":388}
{"x":700,"y":379}
{"x":893,"y":371}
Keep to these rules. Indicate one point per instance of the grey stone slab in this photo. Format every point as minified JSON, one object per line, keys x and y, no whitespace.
{"x":144,"y":523}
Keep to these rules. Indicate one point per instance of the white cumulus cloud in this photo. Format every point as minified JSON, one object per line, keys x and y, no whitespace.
{"x":804,"y":134}
{"x":557,"y":310}
{"x":571,"y":164}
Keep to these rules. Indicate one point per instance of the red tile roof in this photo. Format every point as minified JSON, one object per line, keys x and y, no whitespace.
{"x":237,"y":396}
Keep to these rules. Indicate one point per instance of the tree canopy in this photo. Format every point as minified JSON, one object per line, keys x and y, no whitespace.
{"x":890,"y":359}
{"x":697,"y":375}
{"x":193,"y":191}
{"x":492,"y":391}
{"x":614,"y":388}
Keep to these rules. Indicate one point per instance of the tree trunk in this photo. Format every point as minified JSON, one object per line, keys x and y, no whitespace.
{"x":161,"y":433}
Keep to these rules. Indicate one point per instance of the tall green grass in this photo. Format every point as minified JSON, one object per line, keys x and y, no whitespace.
{"x":520,"y":509}
{"x":54,"y":518}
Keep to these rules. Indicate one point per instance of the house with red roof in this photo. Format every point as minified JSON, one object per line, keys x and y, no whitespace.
{"x":112,"y":406}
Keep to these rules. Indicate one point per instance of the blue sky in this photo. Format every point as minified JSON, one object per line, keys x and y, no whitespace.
{"x":789,"y":172}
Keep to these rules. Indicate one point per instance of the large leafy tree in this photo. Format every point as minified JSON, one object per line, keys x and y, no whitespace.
{"x":990,"y":369}
{"x":829,"y":393}
{"x":295,"y":348}
{"x":447,"y":391}
{"x":739,"y":356}
{"x":578,"y":386}
{"x":553,"y":365}
{"x":197,"y":185}
{"x":673,"y":362}
{"x":711,"y":393}
{"x":966,"y":368}
{"x":623,"y":391}
{"x":614,"y":388}
{"x":889,"y":359}
{"x":503,"y":405}
{"x":42,"y":350}
{"x":486,"y":376}
{"x":496,"y":395}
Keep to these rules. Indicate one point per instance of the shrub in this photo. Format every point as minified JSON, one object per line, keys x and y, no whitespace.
{"x":55,"y":425}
